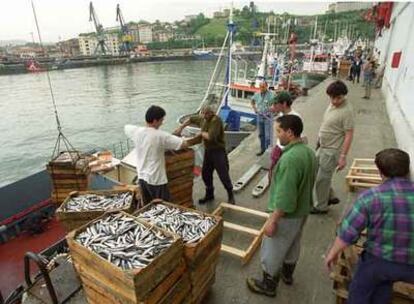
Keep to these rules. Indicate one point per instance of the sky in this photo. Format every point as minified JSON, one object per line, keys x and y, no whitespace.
{"x":65,"y":19}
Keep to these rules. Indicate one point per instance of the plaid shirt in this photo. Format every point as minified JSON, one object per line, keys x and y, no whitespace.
{"x":387,"y":212}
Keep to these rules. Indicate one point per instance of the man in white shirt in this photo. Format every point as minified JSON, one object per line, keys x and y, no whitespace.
{"x":150,"y":145}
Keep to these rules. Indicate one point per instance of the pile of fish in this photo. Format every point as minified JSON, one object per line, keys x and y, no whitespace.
{"x":191,"y":226}
{"x":123,"y":241}
{"x":94,"y":202}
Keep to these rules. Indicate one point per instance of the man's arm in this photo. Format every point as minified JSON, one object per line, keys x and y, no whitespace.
{"x":253,"y":104}
{"x":332,"y":256}
{"x":179,"y":130}
{"x":272,"y":222}
{"x":345,"y":149}
{"x":191,"y":141}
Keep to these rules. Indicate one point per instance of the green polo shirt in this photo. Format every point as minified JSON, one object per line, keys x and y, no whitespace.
{"x":292,"y":181}
{"x":215,"y":130}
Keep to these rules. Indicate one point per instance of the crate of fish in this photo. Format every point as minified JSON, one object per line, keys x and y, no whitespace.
{"x":81,"y":207}
{"x":121,"y":259}
{"x":201,"y":234}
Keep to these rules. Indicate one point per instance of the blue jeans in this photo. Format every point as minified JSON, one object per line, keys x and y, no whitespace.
{"x":264,"y":125}
{"x":373,"y":279}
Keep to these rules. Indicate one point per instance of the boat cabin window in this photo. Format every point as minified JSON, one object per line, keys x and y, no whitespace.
{"x":239,"y":94}
{"x":248,"y":95}
{"x":233,"y":92}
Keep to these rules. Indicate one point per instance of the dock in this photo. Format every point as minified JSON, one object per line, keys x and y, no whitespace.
{"x":373,"y":132}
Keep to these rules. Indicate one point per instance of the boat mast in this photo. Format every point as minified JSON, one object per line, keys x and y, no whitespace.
{"x":262,"y":67}
{"x":231,"y":29}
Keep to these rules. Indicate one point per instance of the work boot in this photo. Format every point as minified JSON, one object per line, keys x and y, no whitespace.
{"x":208,"y":197}
{"x":287,"y":273}
{"x":266,"y":286}
{"x":230,"y":197}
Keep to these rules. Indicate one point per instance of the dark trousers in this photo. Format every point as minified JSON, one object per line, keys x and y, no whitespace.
{"x":356,"y":75}
{"x":373,"y":279}
{"x":151,"y":192}
{"x":216,"y":159}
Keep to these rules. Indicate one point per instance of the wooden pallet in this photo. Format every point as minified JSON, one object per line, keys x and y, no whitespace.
{"x":363,"y":174}
{"x":245,"y":255}
{"x":403,"y":293}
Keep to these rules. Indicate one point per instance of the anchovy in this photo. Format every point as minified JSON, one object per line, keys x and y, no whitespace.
{"x":95,"y":202}
{"x":191,"y":226}
{"x":123,"y":241}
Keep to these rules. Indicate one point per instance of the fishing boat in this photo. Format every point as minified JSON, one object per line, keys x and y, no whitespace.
{"x":232,"y":95}
{"x":203,"y":53}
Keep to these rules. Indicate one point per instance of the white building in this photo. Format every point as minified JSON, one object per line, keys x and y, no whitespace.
{"x":340,"y":7}
{"x":398,"y":81}
{"x":145,"y":33}
{"x":89,"y":42}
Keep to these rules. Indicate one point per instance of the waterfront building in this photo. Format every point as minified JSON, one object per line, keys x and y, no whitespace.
{"x":188,"y":18}
{"x":88,"y":42}
{"x":395,"y":46}
{"x":145,"y":33}
{"x":70,"y":47}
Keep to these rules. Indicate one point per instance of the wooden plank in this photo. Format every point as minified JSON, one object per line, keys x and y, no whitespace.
{"x":246,"y":210}
{"x":365,"y":177}
{"x":232,"y":250}
{"x":241,"y":228}
{"x":253,"y":246}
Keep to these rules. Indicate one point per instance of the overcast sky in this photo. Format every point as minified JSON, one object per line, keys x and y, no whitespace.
{"x":64,"y":19}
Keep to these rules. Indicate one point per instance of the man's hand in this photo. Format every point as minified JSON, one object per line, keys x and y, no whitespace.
{"x":205,"y":136}
{"x":330,"y":261}
{"x":341,"y":162}
{"x":270,"y":227}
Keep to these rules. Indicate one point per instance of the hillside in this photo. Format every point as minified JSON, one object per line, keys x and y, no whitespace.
{"x":248,"y":23}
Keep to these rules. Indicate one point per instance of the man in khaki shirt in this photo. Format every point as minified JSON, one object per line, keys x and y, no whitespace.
{"x":335,"y":138}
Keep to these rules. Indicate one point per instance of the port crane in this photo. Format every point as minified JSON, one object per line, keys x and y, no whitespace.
{"x":126,"y":37}
{"x":101,"y":47}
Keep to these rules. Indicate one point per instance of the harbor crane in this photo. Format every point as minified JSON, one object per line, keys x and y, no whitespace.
{"x":101,"y":47}
{"x":126,"y":38}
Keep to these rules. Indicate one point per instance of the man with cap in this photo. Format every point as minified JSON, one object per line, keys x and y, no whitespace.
{"x":281,"y":105}
{"x":261,"y":103}
{"x":215,"y":155}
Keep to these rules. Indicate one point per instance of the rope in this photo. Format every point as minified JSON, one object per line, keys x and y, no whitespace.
{"x":66,"y":142}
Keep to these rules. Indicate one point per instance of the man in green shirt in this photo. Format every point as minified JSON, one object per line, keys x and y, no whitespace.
{"x":290,"y":202}
{"x":215,"y":155}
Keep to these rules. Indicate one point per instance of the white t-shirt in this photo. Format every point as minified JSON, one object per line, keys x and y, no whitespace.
{"x":150,"y":145}
{"x":275,"y":139}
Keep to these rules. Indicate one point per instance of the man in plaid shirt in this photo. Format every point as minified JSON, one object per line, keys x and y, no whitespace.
{"x":387,"y":212}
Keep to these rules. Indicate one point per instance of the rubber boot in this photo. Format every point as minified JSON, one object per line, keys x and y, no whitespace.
{"x":208,"y":197}
{"x":287,"y":273}
{"x":230,"y":197}
{"x":267,"y":286}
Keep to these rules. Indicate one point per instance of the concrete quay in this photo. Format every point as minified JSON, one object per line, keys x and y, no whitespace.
{"x":373,"y":132}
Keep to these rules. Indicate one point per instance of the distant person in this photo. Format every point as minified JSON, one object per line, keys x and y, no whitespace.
{"x":150,"y":146}
{"x":380,"y":76}
{"x":368,"y":77}
{"x":334,"y":66}
{"x":356,"y":69}
{"x":290,"y":201}
{"x":215,"y":155}
{"x":386,"y":213}
{"x":334,"y":141}
{"x":261,"y":103}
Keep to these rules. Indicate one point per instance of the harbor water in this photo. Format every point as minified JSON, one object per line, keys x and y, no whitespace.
{"x":93,"y":104}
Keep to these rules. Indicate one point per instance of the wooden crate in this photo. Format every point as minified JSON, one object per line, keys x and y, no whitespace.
{"x":104,"y":281}
{"x":179,"y":167}
{"x":201,"y":257}
{"x":245,"y":255}
{"x":69,"y":172}
{"x":363,"y":174}
{"x":73,"y":220}
{"x":342,"y":277}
